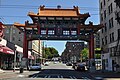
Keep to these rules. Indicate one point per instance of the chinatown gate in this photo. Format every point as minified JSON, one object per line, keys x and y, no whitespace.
{"x":59,"y":24}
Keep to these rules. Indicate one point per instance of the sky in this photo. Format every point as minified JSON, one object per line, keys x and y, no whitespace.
{"x":16,"y":11}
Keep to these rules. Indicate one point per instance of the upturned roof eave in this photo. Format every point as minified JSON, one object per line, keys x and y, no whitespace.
{"x":78,"y":16}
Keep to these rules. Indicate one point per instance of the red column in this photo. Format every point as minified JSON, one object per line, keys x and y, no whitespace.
{"x":46,"y":31}
{"x":54,"y":31}
{"x":25,"y":46}
{"x":78,"y":30}
{"x":91,"y":46}
{"x":89,"y":49}
{"x":1,"y":31}
{"x":70,"y":31}
{"x":38,"y":27}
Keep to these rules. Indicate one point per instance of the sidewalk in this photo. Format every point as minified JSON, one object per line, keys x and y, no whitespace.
{"x":105,"y":75}
{"x":7,"y":74}
{"x":1,"y":71}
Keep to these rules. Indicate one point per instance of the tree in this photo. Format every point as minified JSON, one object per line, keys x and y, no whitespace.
{"x":84,"y":53}
{"x":50,"y":52}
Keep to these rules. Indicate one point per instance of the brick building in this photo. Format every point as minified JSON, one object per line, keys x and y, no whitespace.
{"x":72,"y":51}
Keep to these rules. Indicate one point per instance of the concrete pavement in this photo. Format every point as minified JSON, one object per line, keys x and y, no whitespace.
{"x":7,"y":74}
{"x":105,"y":75}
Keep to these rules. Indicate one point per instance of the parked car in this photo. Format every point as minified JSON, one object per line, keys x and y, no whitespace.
{"x":80,"y":67}
{"x":73,"y":66}
{"x":69,"y":64}
{"x":36,"y":66}
{"x":46,"y":63}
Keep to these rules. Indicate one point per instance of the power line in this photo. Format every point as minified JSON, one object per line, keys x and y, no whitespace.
{"x":36,"y":7}
{"x":15,"y":16}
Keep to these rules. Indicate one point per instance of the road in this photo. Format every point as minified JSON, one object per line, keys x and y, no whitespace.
{"x":60,"y":71}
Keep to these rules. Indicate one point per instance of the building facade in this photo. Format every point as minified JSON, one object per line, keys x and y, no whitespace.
{"x":14,"y":40}
{"x":37,"y":50}
{"x":109,"y":40}
{"x":72,"y":51}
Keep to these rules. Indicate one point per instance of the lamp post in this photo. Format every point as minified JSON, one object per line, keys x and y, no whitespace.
{"x":14,"y":60}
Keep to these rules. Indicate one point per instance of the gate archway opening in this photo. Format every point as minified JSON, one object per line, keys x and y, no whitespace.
{"x":58,"y":24}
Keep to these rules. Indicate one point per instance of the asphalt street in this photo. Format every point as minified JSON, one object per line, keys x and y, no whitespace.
{"x":57,"y":71}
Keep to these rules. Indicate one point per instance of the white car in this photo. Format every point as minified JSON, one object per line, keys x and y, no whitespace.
{"x":36,"y":66}
{"x":46,"y":63}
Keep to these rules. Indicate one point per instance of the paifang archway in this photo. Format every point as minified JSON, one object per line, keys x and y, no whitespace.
{"x":58,"y":24}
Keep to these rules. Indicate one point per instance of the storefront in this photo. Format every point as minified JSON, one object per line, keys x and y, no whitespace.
{"x":6,"y":57}
{"x":8,"y":51}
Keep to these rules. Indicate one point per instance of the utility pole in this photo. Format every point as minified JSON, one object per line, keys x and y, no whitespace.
{"x":14,"y":66}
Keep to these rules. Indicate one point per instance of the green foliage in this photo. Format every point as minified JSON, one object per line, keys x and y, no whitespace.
{"x":85,"y":54}
{"x":97,"y":56}
{"x":50,"y":52}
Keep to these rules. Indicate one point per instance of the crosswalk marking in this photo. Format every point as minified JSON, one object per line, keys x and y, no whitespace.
{"x":70,"y":77}
{"x":45,"y":76}
{"x":74,"y":77}
{"x":56,"y":76}
{"x":49,"y":76}
{"x":85,"y":78}
{"x":61,"y":76}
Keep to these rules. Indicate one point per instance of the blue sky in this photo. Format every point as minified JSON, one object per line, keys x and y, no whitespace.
{"x":16,"y":11}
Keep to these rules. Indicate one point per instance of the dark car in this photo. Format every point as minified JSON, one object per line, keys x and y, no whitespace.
{"x":80,"y":67}
{"x":74,"y":64}
{"x":69,"y":64}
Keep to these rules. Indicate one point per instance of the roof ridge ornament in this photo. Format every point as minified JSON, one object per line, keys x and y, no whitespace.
{"x":76,"y":7}
{"x":42,"y":6}
{"x":58,"y":6}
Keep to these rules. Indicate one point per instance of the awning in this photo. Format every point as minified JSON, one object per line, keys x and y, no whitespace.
{"x":5,"y":49}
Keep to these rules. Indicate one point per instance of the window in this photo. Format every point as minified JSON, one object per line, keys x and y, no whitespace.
{"x":73,"y":32}
{"x":104,"y":2}
{"x":104,"y":14}
{"x":66,"y":32}
{"x":101,"y":17}
{"x":13,"y":38}
{"x":43,"y":31}
{"x":7,"y":31}
{"x":102,"y":30}
{"x":110,"y":38}
{"x":110,"y":10}
{"x":101,"y":5}
{"x":51,"y":32}
{"x":13,"y":31}
{"x":102,"y":41}
{"x":113,"y":37}
{"x":105,"y":39}
{"x":111,"y":24}
{"x":105,"y":27}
